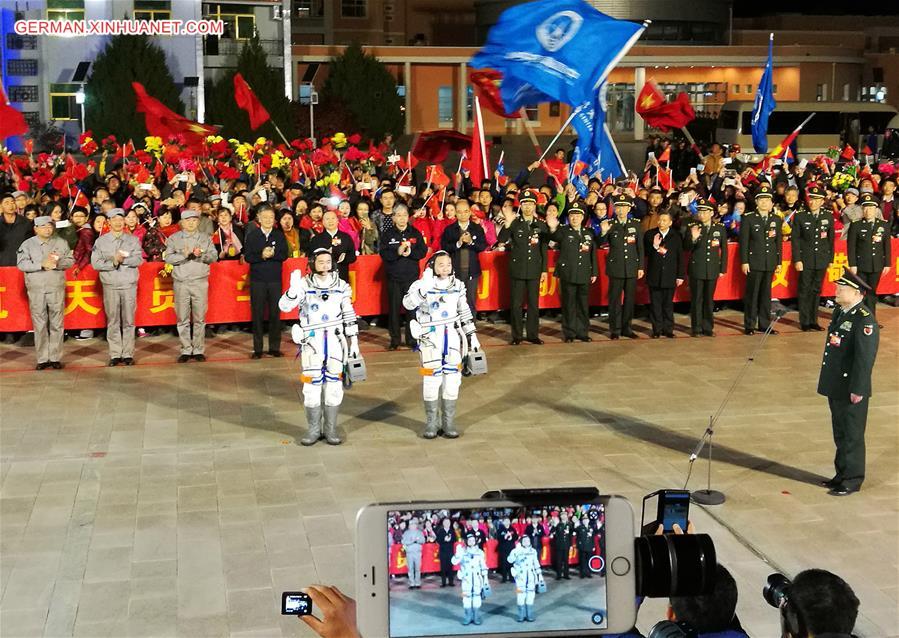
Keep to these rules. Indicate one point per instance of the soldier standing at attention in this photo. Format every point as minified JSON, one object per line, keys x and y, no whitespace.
{"x":44,"y":260}
{"x":527,"y":236}
{"x":191,"y":252}
{"x":845,"y":380}
{"x":869,"y":248}
{"x":116,"y":256}
{"x":812,"y":241}
{"x":624,"y":265}
{"x":708,"y":262}
{"x":760,"y":249}
{"x":576,"y":269}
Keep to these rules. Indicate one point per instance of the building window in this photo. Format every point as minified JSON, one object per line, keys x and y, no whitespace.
{"x":32,"y":118}
{"x":353,"y":8}
{"x":65,"y":9}
{"x":749,"y":88}
{"x":152,"y":9}
{"x":445,"y":105}
{"x":17,"y":42}
{"x":821,"y":93}
{"x":774,"y":89}
{"x":533,"y":113}
{"x":21,"y":67}
{"x":62,"y":102}
{"x":239,"y":21}
{"x":736,"y":89}
{"x":23,"y":93}
{"x":555,"y":109}
{"x":846,"y":92}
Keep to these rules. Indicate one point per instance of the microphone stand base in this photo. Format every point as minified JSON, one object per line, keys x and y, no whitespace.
{"x":708,"y":497}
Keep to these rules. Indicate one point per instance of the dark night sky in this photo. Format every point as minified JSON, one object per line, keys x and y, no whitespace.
{"x":751,"y":8}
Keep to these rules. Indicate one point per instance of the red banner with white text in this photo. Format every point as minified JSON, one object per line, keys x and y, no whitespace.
{"x":229,"y":293}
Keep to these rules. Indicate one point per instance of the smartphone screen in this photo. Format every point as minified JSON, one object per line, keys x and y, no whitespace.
{"x":675,"y":509}
{"x":438,"y":559}
{"x":295,"y":603}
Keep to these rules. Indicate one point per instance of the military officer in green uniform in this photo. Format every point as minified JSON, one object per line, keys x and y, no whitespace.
{"x":624,"y":264}
{"x":868,"y":245}
{"x":845,"y":380}
{"x":576,"y":269}
{"x":760,"y":251}
{"x":44,"y":260}
{"x":527,"y":238}
{"x":812,"y":241}
{"x":707,"y":242}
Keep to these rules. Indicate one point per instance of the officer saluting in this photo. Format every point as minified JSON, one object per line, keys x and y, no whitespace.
{"x":708,"y":261}
{"x":527,"y":237}
{"x":576,"y":269}
{"x":812,"y":241}
{"x":845,"y":380}
{"x":760,"y":249}
{"x":44,"y":259}
{"x":624,"y":264}
{"x":869,"y":248}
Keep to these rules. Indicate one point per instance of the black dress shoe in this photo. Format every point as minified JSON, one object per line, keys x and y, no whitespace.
{"x":184,"y":358}
{"x":585,"y":339}
{"x":393,"y":346}
{"x":817,"y":328}
{"x":256,"y":355}
{"x":114,"y":362}
{"x":537,"y":342}
{"x":276,"y":353}
{"x":42,"y":366}
{"x":56,"y":365}
{"x":128,"y":361}
{"x":829,"y":483}
{"x":614,"y":337}
{"x":749,"y":331}
{"x":804,"y":328}
{"x":773,"y":332}
{"x":516,"y":342}
{"x":200,"y":357}
{"x":708,"y":334}
{"x":630,"y":335}
{"x":669,"y":335}
{"x":655,"y":335}
{"x":842,"y":490}
{"x":569,"y":339}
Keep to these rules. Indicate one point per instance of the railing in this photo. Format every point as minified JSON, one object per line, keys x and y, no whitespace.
{"x":229,"y":46}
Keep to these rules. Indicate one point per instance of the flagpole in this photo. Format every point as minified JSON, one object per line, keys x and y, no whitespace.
{"x":481,"y":141}
{"x":279,"y":132}
{"x":559,"y":134}
{"x":527,"y":127}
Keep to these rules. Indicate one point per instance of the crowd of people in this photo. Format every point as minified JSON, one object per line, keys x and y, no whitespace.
{"x":686,"y":202}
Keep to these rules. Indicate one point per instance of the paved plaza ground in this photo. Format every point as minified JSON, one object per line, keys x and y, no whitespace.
{"x":173,"y":500}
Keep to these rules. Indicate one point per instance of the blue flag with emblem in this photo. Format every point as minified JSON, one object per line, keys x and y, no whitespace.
{"x":595,"y":146}
{"x":552,"y":50}
{"x":764,"y":103}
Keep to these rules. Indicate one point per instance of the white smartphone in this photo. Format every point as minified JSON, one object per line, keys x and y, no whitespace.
{"x":651,"y":155}
{"x":393,"y":603}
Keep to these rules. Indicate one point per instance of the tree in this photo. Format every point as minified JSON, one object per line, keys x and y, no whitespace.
{"x":109,"y":105}
{"x":368,"y":91}
{"x":268,"y":85}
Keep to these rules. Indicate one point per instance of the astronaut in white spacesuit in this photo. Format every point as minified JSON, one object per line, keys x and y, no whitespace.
{"x":472,"y":574}
{"x":445,"y":330}
{"x":528,"y":577}
{"x":327,"y":321}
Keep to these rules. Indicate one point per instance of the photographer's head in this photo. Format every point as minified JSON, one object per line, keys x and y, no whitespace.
{"x":712,"y":612}
{"x":818,"y":603}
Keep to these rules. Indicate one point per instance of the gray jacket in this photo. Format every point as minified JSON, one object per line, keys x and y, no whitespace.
{"x":178,"y":253}
{"x":413,"y":539}
{"x":31,"y":255}
{"x":117,"y":276}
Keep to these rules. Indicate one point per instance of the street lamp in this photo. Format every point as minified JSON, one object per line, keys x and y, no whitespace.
{"x":80,"y":99}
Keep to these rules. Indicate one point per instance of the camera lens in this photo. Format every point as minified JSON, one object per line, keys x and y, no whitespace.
{"x":675,"y":565}
{"x":775,"y":590}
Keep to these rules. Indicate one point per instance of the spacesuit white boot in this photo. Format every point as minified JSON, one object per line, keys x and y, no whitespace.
{"x":331,"y":435}
{"x":313,"y":424}
{"x":432,"y":421}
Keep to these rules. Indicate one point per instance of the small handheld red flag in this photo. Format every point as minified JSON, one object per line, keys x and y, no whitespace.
{"x":248,"y":101}
{"x":12,"y":122}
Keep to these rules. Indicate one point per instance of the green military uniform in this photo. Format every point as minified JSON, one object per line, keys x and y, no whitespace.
{"x":585,"y":548}
{"x":575,"y":268}
{"x":760,"y":248}
{"x":560,"y":541}
{"x":708,"y":261}
{"x":190,"y":278}
{"x":849,"y":354}
{"x":868,"y":245}
{"x":812,"y":241}
{"x":625,"y":258}
{"x":46,"y":292}
{"x":527,"y":262}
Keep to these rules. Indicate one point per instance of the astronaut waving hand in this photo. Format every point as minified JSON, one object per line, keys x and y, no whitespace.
{"x":327,"y":320}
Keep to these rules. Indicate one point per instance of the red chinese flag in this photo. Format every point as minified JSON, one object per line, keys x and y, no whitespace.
{"x":437,"y":176}
{"x":658,"y":113}
{"x":248,"y":101}
{"x":666,"y":155}
{"x":11,"y":121}
{"x":434,"y":146}
{"x":487,"y":83}
{"x":162,"y":122}
{"x":867,"y":150}
{"x":665,"y":179}
{"x":650,"y":98}
{"x":81,"y":200}
{"x":848,"y":152}
{"x":478,"y":152}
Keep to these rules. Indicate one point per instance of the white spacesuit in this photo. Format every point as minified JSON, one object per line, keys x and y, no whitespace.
{"x":327,"y":319}
{"x":444,"y":328}
{"x":528,"y":576}
{"x":472,"y":577}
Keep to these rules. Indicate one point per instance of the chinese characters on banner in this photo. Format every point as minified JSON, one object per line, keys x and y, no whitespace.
{"x":229,"y":298}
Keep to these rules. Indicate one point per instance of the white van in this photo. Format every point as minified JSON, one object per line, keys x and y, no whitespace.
{"x":833,"y":122}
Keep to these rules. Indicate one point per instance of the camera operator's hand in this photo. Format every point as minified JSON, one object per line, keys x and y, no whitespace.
{"x":338,"y":613}
{"x":677,"y":529}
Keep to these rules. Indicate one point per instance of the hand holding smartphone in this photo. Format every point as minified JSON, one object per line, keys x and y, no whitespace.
{"x":665,"y":508}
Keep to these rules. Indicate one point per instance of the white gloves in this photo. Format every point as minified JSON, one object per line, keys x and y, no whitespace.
{"x":473,"y":342}
{"x":354,"y":347}
{"x":296,"y":280}
{"x":297,"y":333}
